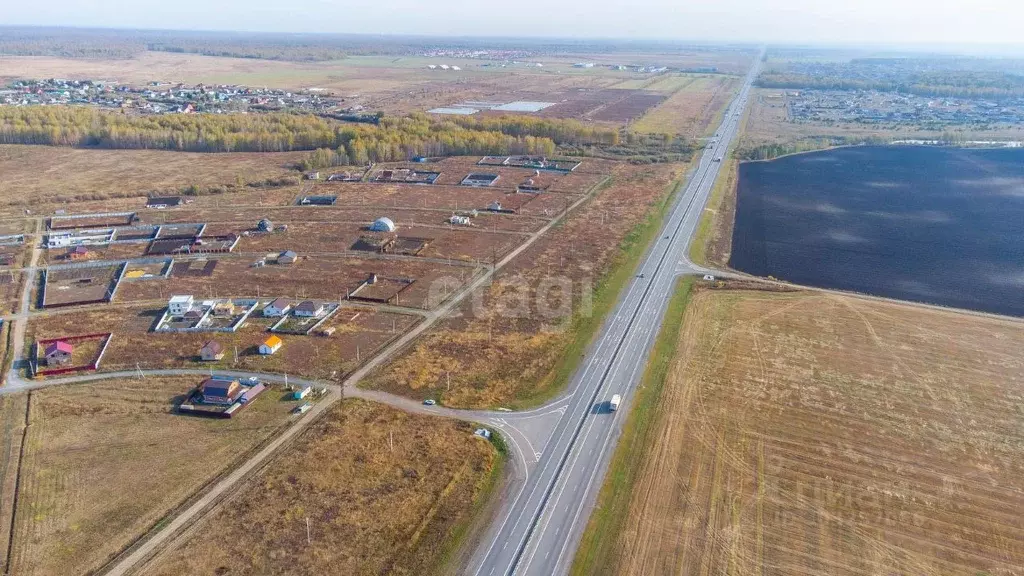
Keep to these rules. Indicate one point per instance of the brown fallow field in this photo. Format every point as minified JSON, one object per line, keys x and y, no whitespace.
{"x":381,"y":491}
{"x":810,"y":433}
{"x":104,"y":462}
{"x":359,"y":333}
{"x":504,"y":345}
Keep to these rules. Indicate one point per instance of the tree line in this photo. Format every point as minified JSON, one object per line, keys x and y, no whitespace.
{"x":391,"y":139}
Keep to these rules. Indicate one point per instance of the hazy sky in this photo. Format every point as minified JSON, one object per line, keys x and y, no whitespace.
{"x":789,"y":21}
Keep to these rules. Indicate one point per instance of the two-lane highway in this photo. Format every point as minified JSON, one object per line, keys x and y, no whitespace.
{"x":538,"y":530}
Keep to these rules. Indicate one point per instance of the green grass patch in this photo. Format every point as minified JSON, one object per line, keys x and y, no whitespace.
{"x":583,"y":328}
{"x":597,"y":551}
{"x":700,"y":245}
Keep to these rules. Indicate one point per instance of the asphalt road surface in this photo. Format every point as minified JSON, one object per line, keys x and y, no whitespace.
{"x":539,"y":527}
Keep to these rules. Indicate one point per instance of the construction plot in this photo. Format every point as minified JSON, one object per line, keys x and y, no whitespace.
{"x":193,"y":268}
{"x":405,"y":176}
{"x":147,"y":270}
{"x":480,"y":179}
{"x":194,"y":245}
{"x":532,"y":162}
{"x":380,"y":289}
{"x":391,"y":244}
{"x":74,"y":285}
{"x":317,"y":200}
{"x":347,"y":176}
{"x":815,"y":434}
{"x":106,"y":219}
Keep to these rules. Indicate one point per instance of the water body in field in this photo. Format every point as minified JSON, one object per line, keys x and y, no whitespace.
{"x":937,"y":225}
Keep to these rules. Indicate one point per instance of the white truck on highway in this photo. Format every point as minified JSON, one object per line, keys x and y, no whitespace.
{"x":613,"y":404}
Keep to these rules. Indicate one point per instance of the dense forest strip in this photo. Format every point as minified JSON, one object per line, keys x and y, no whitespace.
{"x":392,"y":139}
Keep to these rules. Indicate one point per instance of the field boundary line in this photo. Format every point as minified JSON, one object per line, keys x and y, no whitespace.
{"x":17,"y":485}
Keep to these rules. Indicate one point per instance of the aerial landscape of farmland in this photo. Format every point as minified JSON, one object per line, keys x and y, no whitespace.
{"x":437,"y":298}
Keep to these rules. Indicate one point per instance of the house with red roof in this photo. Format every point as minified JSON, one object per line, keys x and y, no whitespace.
{"x":58,"y":353}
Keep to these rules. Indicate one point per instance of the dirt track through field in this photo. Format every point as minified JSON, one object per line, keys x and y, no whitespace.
{"x":821,"y":434}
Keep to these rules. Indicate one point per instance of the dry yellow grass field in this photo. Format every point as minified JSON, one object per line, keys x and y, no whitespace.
{"x":371,"y":509}
{"x":105,"y":462}
{"x":42,"y":177}
{"x":816,"y":434}
{"x":692,"y":108}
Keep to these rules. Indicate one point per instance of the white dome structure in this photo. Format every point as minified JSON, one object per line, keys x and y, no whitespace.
{"x":382,"y":224}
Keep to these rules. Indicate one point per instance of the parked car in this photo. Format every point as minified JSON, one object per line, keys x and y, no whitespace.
{"x":709,"y":277}
{"x":483,"y":433}
{"x":429,"y":402}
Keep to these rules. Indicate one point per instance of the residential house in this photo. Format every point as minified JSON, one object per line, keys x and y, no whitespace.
{"x":309,"y":309}
{"x":78,"y":253}
{"x":224,"y":309}
{"x":270,"y":345}
{"x":212,"y":351}
{"x":59,"y":353}
{"x":279,"y":307}
{"x":179,"y":305}
{"x":220,"y":390}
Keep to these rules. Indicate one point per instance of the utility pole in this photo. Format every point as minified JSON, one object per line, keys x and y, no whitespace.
{"x":309,"y":540}
{"x":391,"y":439}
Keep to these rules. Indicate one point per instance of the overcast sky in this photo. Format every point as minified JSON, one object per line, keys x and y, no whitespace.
{"x":780,"y":21}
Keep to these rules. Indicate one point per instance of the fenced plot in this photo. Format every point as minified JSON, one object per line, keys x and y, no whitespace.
{"x":92,"y":220}
{"x":193,"y":268}
{"x":88,"y":350}
{"x":80,"y":284}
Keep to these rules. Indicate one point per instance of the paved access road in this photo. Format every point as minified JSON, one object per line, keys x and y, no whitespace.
{"x":538,"y":530}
